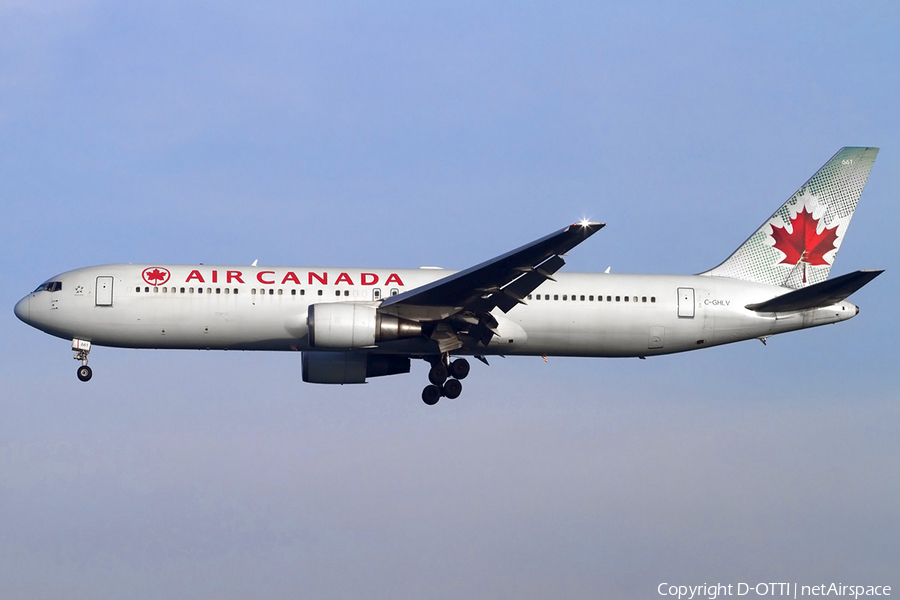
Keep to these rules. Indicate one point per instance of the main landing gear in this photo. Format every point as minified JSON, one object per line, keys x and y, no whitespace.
{"x":444,"y":377}
{"x":82,"y":349}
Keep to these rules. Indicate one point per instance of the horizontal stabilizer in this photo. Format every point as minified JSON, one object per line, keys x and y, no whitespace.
{"x":830,"y":291}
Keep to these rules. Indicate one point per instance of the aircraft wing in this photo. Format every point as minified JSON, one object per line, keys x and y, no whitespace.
{"x":467,"y":297}
{"x":502,"y":281}
{"x":826,"y":293}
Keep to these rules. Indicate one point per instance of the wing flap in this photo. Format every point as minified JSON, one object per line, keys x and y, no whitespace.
{"x":826,"y":293}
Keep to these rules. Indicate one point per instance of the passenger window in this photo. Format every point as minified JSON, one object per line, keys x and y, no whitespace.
{"x":155,"y":290}
{"x":346,"y":292}
{"x":302,"y":292}
{"x":235,"y":290}
{"x":320,"y":292}
{"x":218,"y":290}
{"x":635,"y":298}
{"x":146,"y":289}
{"x":293,"y":292}
{"x":182,"y":290}
{"x":252,"y":291}
{"x":590,"y":298}
{"x":138,"y":289}
{"x":618,"y":298}
{"x":609,"y":298}
{"x":280,"y":292}
{"x":626,"y":298}
{"x":564,"y":297}
{"x":199,"y":290}
{"x":209,"y":290}
{"x":227,"y":290}
{"x":643,"y":298}
{"x":556,"y":296}
{"x":529,"y":296}
{"x":192,"y":290}
{"x":271,"y":291}
{"x":165,"y":289}
{"x":652,"y":298}
{"x":337,"y":292}
{"x":582,"y":298}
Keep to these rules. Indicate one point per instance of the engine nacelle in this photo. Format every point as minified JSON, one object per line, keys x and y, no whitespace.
{"x":355,"y":325}
{"x":350,"y":367}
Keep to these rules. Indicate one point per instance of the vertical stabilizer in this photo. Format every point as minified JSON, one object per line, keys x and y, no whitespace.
{"x":797,"y":245}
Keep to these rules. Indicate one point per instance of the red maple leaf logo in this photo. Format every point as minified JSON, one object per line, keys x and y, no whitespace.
{"x":803,"y":242}
{"x":156,"y":275}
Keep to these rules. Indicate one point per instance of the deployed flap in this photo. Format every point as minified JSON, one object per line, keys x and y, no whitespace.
{"x":826,"y":293}
{"x":502,"y":281}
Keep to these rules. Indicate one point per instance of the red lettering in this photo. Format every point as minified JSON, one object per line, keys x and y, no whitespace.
{"x":369,"y":278}
{"x":259,"y":277}
{"x":323,"y":279}
{"x":395,"y":278}
{"x":195,"y":274}
{"x":215,"y":276}
{"x":290,"y":276}
{"x":236,"y":275}
{"x":343,"y":277}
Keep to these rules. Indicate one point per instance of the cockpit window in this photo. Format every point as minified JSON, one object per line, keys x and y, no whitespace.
{"x":50,"y":286}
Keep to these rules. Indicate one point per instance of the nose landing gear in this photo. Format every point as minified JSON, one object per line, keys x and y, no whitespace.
{"x":438,"y":375}
{"x":82,"y":349}
{"x":85,"y":373}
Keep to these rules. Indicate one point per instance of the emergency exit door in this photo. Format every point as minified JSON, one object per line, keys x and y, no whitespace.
{"x":103,"y":295}
{"x":686,"y":303}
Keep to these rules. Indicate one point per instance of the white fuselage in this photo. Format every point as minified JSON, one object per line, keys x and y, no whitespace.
{"x":265,"y":308}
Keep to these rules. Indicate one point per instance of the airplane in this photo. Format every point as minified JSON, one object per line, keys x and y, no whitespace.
{"x":351,"y":324}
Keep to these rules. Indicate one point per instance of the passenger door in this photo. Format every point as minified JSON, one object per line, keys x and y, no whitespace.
{"x":103,"y":294}
{"x":686,"y":303}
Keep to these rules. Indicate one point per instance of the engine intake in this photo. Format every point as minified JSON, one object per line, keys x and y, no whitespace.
{"x":355,"y":325}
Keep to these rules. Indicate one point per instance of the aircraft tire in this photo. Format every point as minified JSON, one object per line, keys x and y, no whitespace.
{"x":453,"y":388}
{"x":438,"y":374}
{"x":84,"y":373}
{"x":431,"y":394}
{"x":459,"y":368}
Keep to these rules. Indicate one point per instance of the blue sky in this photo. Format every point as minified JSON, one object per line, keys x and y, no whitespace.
{"x":407,"y":134}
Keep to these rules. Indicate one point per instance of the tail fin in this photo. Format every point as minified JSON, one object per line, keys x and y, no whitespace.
{"x":797,"y":245}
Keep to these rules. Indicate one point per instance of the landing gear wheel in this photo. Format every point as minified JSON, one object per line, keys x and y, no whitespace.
{"x":431,"y":394}
{"x":459,"y":368}
{"x":452,"y":389}
{"x":438,"y":374}
{"x":84,"y":373}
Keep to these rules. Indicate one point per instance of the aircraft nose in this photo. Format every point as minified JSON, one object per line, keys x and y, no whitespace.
{"x":23,"y":309}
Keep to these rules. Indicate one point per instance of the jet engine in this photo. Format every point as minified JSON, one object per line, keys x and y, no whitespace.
{"x":355,"y":325}
{"x":350,"y":367}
